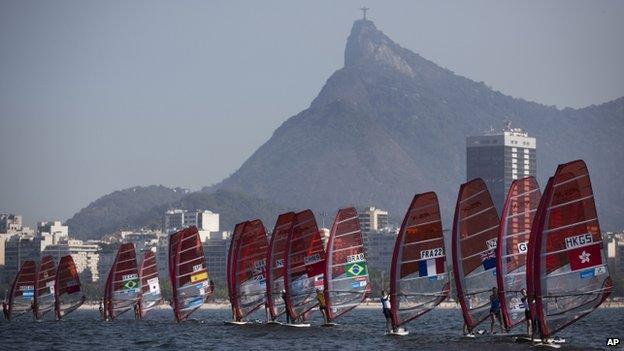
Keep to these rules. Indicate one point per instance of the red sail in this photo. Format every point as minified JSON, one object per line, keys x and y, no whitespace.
{"x":513,"y":240}
{"x":123,"y":286}
{"x":67,"y":288}
{"x":475,"y":231}
{"x":418,"y":277}
{"x":150,"y":285}
{"x":346,"y":274}
{"x":44,"y":287}
{"x":187,"y":272}
{"x":249,"y":263}
{"x":569,"y":277}
{"x":275,"y":264}
{"x":23,"y":290}
{"x":305,"y":256}
{"x":230,"y":270}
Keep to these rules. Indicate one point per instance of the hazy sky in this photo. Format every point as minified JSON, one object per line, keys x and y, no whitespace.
{"x":97,"y":96}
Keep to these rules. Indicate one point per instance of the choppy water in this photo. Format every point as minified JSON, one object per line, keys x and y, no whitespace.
{"x":362,"y":329}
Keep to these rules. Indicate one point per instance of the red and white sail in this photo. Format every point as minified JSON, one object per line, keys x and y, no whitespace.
{"x":151,"y":295}
{"x":123,"y":287}
{"x":68,"y":294}
{"x":275,"y":264}
{"x":346,"y":280}
{"x":188,"y":272}
{"x":519,"y":210}
{"x":419,"y":280}
{"x":569,"y":277}
{"x":230,"y":270}
{"x":305,"y":265}
{"x":475,"y":232}
{"x":249,"y":267}
{"x":22,"y":290}
{"x":44,"y":287}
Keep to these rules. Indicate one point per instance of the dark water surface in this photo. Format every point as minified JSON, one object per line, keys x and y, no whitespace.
{"x":362,"y":329}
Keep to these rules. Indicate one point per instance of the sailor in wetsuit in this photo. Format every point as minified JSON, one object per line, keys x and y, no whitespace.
{"x":527,"y":313}
{"x":5,"y":310}
{"x":495,"y":310}
{"x":284,"y":298}
{"x":320,"y":298}
{"x":385,"y":307}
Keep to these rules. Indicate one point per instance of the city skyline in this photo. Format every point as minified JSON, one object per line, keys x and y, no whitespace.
{"x":66,"y":150}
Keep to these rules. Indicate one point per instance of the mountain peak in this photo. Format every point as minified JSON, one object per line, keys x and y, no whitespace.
{"x":367,"y":45}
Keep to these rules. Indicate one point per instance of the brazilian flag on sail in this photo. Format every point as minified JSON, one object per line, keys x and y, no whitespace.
{"x":356,"y":269}
{"x":130,"y":284}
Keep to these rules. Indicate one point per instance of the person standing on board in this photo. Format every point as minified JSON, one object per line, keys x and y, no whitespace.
{"x":527,"y":313}
{"x":495,"y":310}
{"x":5,"y":310}
{"x":101,"y":308}
{"x":385,"y":307}
{"x":284,"y":298}
{"x":322,"y":306}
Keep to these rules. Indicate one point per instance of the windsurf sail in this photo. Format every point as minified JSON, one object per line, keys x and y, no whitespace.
{"x":346,"y":282}
{"x":151,"y":296}
{"x":249,"y":266}
{"x":123,"y":285}
{"x":475,"y":231}
{"x":519,"y":210}
{"x":275,"y":264}
{"x":44,"y":287}
{"x":305,"y":265}
{"x":569,"y":276}
{"x":188,"y":273}
{"x":419,"y":279}
{"x":23,"y":290}
{"x":68,"y":295}
{"x":230,"y":271}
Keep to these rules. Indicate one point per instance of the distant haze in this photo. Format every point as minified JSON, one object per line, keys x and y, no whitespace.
{"x":100,"y":96}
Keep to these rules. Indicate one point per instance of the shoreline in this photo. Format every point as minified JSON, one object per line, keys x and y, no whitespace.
{"x":365,"y":306}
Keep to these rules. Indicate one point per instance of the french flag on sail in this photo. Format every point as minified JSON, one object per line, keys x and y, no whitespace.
{"x":432,"y":266}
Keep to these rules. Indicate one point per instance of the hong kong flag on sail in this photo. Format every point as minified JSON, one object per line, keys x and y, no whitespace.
{"x":585,"y":257}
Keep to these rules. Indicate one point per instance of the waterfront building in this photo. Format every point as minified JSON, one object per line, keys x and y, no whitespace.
{"x":52,"y":233}
{"x":20,"y":248}
{"x":500,"y":157}
{"x":85,"y":255}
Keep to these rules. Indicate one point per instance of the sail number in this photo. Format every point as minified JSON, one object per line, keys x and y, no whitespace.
{"x":279,"y":263}
{"x":355,"y":258}
{"x":129,"y":277}
{"x":311,"y":259}
{"x":491,"y":244}
{"x":431,"y":253}
{"x":578,"y":240}
{"x":197,"y":267}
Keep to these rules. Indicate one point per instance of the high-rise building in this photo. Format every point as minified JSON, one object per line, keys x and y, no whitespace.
{"x":20,"y":248}
{"x":10,"y":223}
{"x":177,"y":219}
{"x":52,"y":233}
{"x":85,"y":255}
{"x":500,"y":157}
{"x":372,"y":218}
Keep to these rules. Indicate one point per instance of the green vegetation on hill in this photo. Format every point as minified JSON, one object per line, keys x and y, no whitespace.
{"x":143,"y":207}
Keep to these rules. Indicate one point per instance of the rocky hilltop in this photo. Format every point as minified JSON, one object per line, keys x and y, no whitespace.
{"x":391,"y":123}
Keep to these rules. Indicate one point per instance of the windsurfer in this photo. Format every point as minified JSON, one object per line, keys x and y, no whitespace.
{"x":5,"y":310}
{"x":210,"y":287}
{"x":137,"y":315}
{"x":33,"y":306}
{"x":322,"y":306}
{"x":385,"y":307}
{"x":527,"y":313}
{"x":495,"y":310}
{"x":102,"y":310}
{"x":284,"y":298}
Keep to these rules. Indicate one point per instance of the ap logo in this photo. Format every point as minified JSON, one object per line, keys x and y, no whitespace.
{"x":615,"y":342}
